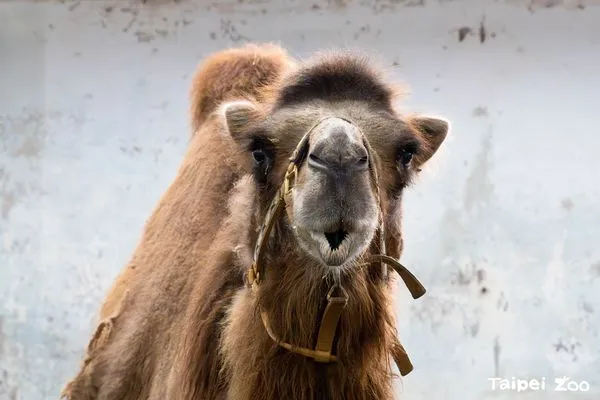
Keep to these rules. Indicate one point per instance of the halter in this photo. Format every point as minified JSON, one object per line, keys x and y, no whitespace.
{"x":336,"y":299}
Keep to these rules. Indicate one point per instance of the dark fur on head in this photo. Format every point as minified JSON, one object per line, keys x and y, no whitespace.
{"x":336,"y":76}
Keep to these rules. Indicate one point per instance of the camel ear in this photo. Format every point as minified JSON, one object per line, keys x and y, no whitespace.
{"x":239,"y":115}
{"x":433,"y":130}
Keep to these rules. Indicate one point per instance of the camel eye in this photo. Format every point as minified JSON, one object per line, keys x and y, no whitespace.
{"x":263,"y":155}
{"x":405,"y":156}
{"x":406,"y":152}
{"x":259,"y":156}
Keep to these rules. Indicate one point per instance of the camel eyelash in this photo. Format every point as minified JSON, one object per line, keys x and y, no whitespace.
{"x":412,"y":147}
{"x":259,"y":141}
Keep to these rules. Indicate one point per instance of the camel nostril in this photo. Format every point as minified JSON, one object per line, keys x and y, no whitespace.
{"x":318,"y":163}
{"x":314,"y":158}
{"x":338,"y":165}
{"x":335,"y":238}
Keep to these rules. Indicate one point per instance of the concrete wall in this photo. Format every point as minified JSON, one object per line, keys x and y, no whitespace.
{"x":503,"y":229}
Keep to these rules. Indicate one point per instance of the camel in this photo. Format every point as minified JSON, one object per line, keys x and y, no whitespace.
{"x":263,"y":272}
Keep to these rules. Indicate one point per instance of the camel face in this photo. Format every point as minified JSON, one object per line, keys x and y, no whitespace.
{"x":356,"y":155}
{"x":356,"y":161}
{"x":335,"y":211}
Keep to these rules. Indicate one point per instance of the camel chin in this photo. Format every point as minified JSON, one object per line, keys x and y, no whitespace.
{"x":337,"y":249}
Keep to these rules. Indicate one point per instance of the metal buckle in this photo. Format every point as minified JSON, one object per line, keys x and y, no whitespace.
{"x":337,"y":299}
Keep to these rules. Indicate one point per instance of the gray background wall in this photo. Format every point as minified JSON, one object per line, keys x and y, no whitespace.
{"x":502,"y":228}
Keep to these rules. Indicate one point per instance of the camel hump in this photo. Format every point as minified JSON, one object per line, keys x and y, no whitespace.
{"x":236,"y":73}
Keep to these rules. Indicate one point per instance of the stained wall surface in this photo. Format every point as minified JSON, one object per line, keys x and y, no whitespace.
{"x":502,"y":228}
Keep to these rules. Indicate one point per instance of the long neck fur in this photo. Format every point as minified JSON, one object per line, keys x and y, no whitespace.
{"x":294,"y":295}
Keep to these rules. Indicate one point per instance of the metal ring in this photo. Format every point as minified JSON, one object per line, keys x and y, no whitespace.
{"x":337,"y":299}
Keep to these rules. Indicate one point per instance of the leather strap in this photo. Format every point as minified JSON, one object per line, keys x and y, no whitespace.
{"x":256,"y":270}
{"x":401,"y":358}
{"x":415,"y":287}
{"x":381,"y":227}
{"x":323,"y":351}
{"x":329,"y":323}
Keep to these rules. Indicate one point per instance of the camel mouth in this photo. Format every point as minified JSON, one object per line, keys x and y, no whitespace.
{"x":336,"y":238}
{"x":335,"y":245}
{"x":333,"y":248}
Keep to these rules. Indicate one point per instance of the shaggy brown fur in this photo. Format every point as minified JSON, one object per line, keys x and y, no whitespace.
{"x":189,"y":328}
{"x":211,"y":166}
{"x":245,"y":72}
{"x":236,"y":73}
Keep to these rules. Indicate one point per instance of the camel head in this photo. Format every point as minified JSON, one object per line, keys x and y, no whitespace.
{"x":355,"y":155}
